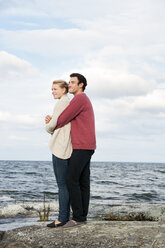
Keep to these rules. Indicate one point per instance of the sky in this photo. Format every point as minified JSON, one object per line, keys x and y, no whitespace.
{"x":118,"y":45}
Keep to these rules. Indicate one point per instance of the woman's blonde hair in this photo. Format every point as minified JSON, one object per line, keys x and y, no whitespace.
{"x":62,"y":84}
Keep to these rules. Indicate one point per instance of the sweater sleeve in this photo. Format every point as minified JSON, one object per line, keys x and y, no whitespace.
{"x":58,"y":109}
{"x":74,"y":108}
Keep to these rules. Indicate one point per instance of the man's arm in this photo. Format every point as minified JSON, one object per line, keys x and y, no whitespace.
{"x":74,"y":108}
{"x":59,"y":108}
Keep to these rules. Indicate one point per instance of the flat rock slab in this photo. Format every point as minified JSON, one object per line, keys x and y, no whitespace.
{"x":114,"y":234}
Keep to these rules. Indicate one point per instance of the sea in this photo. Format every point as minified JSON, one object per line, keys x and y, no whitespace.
{"x":111,"y":182}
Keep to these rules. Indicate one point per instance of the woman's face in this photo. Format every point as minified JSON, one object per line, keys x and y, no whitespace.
{"x":57,"y":91}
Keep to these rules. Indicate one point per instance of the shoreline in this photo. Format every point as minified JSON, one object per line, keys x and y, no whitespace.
{"x":15,"y":215}
{"x":31,"y":209}
{"x":114,"y":226}
{"x":101,"y":234}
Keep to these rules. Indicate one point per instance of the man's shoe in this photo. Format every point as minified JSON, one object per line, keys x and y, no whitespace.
{"x":52,"y":225}
{"x":73,"y":223}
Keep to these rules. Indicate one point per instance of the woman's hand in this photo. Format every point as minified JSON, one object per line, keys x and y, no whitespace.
{"x":47,"y":119}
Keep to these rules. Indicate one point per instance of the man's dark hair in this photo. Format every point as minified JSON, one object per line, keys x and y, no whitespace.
{"x":81,"y":79}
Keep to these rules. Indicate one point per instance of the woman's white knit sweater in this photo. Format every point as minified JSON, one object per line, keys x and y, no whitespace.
{"x":60,"y":142}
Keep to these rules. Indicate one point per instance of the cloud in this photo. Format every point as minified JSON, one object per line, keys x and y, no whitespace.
{"x":130,"y":118}
{"x":52,"y":8}
{"x":23,"y":8}
{"x":18,"y":119}
{"x":152,"y":103}
{"x":50,"y":42}
{"x":112,"y":83}
{"x":14,"y":68}
{"x":17,"y":138}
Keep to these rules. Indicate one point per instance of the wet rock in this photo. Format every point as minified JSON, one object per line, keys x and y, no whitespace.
{"x":1,"y":235}
{"x":15,"y":245}
{"x":143,"y":212}
{"x":136,"y":212}
{"x":114,"y":234}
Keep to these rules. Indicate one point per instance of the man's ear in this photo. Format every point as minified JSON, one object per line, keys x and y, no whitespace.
{"x":81,"y":85}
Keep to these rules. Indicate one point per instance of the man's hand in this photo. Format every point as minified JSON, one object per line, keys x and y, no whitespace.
{"x":47,"y":119}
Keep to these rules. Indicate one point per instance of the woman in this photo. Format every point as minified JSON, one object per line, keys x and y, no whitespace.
{"x":61,"y":148}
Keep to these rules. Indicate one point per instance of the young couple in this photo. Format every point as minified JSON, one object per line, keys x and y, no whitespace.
{"x":72,"y":144}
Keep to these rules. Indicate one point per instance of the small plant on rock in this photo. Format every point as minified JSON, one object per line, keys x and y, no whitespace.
{"x":44,"y":213}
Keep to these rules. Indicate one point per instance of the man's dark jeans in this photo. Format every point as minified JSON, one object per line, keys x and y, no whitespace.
{"x":78,"y":183}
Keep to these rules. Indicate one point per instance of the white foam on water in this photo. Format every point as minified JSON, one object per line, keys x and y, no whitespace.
{"x":23,"y":209}
{"x":12,"y":210}
{"x":5,"y":198}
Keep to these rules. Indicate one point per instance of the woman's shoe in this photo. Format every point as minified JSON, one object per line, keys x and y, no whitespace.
{"x":52,"y":225}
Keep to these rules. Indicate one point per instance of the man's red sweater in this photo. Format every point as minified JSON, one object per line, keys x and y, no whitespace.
{"x":80,"y":113}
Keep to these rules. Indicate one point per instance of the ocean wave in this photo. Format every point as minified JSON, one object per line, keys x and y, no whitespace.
{"x":160,"y":171}
{"x":143,"y":196}
{"x":105,"y":182}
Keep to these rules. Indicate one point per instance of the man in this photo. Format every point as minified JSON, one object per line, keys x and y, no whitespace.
{"x":80,"y":113}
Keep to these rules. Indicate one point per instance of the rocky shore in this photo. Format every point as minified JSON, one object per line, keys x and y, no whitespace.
{"x":114,"y":234}
{"x":138,"y":226}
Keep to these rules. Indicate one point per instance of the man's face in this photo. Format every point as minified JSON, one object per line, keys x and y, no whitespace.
{"x":74,"y":87}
